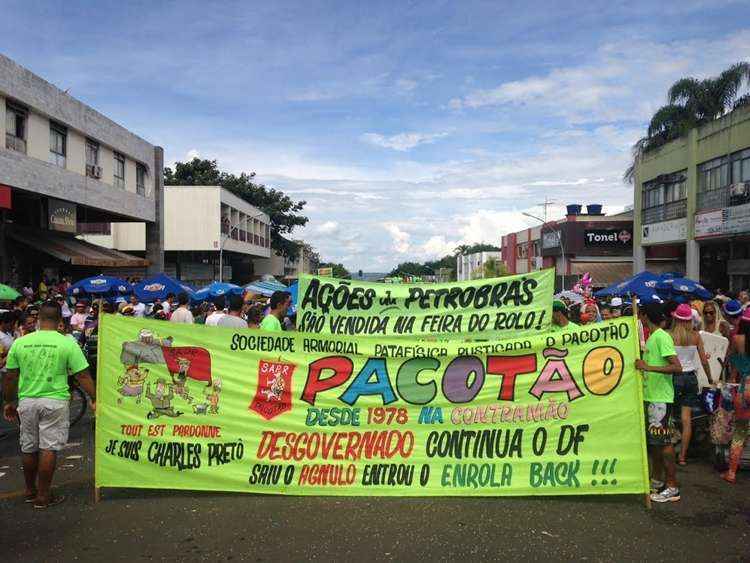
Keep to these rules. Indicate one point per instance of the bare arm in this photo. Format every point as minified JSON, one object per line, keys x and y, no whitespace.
{"x":703,"y":358}
{"x":84,"y":379}
{"x":674,"y":366}
{"x":10,"y":395}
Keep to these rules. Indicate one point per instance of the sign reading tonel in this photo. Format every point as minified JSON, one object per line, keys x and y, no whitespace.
{"x":608,"y":237}
{"x":62,"y":216}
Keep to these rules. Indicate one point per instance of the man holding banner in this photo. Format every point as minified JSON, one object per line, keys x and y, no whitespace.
{"x":658,"y":364}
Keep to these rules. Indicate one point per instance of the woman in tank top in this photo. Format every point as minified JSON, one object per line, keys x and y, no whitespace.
{"x":740,"y":391}
{"x":689,"y":348}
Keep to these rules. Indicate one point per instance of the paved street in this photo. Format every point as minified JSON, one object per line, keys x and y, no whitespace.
{"x":711,"y":523}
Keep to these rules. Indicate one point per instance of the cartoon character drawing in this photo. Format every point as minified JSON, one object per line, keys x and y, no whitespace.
{"x":132,"y":383}
{"x":210,"y":403}
{"x":276,"y":387}
{"x":161,"y":400}
{"x":180,"y":381}
{"x":656,"y":414}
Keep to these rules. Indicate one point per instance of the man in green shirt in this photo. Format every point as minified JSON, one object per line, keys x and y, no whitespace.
{"x":658,"y":364}
{"x":280,"y":301}
{"x":38,"y":368}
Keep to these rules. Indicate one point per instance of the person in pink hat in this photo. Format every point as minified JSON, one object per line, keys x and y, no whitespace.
{"x":739,"y":362}
{"x":690,"y":352}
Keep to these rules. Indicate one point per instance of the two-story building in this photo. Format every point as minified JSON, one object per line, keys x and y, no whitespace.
{"x":205,"y":228}
{"x":471,"y":266}
{"x":64,"y":165}
{"x":582,"y":242}
{"x":692,"y":204}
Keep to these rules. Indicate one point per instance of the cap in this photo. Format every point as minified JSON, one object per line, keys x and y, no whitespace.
{"x":616,"y":302}
{"x":558,"y":305}
{"x":733,"y":308}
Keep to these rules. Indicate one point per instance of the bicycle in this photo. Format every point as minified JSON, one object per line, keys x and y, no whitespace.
{"x":78,"y":401}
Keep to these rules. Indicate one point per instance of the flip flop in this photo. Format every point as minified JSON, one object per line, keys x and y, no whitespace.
{"x":54,"y":501}
{"x":728,"y":479}
{"x":682,"y":462}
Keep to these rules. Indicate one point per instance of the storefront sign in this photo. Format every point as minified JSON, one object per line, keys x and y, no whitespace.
{"x":551,"y":239}
{"x":215,"y":409}
{"x":62,"y":216}
{"x":727,"y":221}
{"x":667,"y":231}
{"x":608,"y":237}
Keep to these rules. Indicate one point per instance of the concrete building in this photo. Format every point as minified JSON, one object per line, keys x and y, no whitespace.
{"x":201,"y":225}
{"x":581,"y":242}
{"x":692,"y":204}
{"x":64,"y":165}
{"x":471,"y":266}
{"x":283,"y":267}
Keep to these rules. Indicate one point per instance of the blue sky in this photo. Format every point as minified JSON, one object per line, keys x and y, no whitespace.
{"x":408,"y":127}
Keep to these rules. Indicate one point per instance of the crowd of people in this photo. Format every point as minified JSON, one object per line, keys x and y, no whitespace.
{"x":672,"y":338}
{"x":672,"y":350}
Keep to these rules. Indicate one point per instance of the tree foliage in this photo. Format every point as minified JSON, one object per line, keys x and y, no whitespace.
{"x":284,"y":212}
{"x":477,"y":247}
{"x":692,"y":102}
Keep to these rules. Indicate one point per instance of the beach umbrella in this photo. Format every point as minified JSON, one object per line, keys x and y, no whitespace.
{"x":643,"y":285}
{"x":159,"y":287}
{"x":7,"y":293}
{"x":100,"y":285}
{"x":216,"y":289}
{"x":266,"y":287}
{"x":682,"y":289}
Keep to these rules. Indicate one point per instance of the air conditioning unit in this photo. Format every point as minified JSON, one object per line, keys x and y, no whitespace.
{"x":740,"y":189}
{"x":97,"y":171}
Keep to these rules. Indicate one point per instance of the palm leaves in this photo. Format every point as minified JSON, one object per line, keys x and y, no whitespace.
{"x":693,"y":102}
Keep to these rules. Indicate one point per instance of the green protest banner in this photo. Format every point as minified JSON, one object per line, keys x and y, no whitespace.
{"x":498,"y":307}
{"x":203,"y":408}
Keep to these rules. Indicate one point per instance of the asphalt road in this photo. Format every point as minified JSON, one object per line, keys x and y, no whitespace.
{"x":711,"y":523}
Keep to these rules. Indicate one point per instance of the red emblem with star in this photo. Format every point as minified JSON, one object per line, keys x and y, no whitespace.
{"x":273,"y":395}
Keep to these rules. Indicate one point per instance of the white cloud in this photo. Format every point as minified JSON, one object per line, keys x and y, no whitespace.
{"x":402,"y":141}
{"x":327,"y":227}
{"x":191,"y":154}
{"x":400,"y":238}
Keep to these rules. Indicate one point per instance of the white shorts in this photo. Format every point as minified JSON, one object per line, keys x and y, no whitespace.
{"x":44,"y":424}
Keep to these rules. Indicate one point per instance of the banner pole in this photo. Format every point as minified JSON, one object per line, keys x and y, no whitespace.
{"x":97,"y":490}
{"x":640,"y":395}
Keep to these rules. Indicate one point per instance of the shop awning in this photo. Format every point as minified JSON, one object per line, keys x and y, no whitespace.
{"x":603,"y":273}
{"x":75,"y":252}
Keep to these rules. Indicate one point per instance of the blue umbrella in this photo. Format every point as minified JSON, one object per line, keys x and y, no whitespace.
{"x":100,"y":285}
{"x":643,"y":285}
{"x":216,"y":289}
{"x":266,"y":288}
{"x":681,"y":289}
{"x":159,"y":287}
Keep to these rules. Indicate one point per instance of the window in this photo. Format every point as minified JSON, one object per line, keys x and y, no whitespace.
{"x":58,"y":137}
{"x":713,"y":175}
{"x":119,"y":171}
{"x":741,"y":166}
{"x":92,"y":159}
{"x":140,"y":179}
{"x":15,"y":128}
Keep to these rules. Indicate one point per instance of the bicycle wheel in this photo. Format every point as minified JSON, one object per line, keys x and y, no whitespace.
{"x":78,"y":405}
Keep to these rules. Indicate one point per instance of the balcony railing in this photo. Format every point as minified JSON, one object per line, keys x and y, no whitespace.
{"x":736,"y":194}
{"x":15,"y":143}
{"x":666,"y":212}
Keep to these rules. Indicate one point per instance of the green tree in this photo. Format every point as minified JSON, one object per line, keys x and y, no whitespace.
{"x":284,"y":212}
{"x":339,"y":271}
{"x":477,"y":247}
{"x":411,"y":269}
{"x":690,"y":103}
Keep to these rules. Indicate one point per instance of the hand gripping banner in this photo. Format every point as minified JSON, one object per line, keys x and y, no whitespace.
{"x":210,"y":408}
{"x":498,"y":308}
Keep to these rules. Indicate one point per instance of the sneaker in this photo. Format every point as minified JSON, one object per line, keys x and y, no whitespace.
{"x":670,"y":494}
{"x":656,"y":486}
